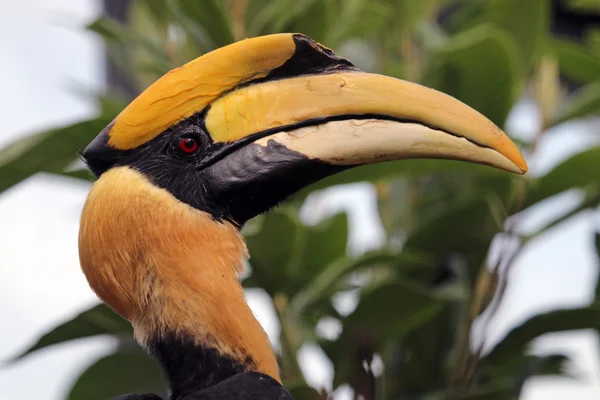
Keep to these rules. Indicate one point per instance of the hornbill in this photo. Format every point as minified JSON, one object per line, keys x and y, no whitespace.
{"x":216,"y":142}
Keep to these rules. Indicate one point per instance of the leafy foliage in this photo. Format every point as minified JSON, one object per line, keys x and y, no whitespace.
{"x":479,"y":66}
{"x":51,"y":151}
{"x":98,"y":320}
{"x":105,"y":378}
{"x":516,"y":340}
{"x":420,"y":293}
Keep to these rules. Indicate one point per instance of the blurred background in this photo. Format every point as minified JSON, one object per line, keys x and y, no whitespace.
{"x":410,"y":280}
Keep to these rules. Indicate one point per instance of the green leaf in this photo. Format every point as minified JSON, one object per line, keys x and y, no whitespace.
{"x":110,"y":104}
{"x":465,"y":228}
{"x":275,"y":15}
{"x":597,"y":245}
{"x":301,"y":251}
{"x":579,"y":171}
{"x":585,"y":102}
{"x":321,"y":287}
{"x":584,"y":5}
{"x":112,"y":31}
{"x":388,"y":312}
{"x":50,"y":151}
{"x":429,"y":351}
{"x":576,"y":62}
{"x":480,"y":68}
{"x":526,"y":21}
{"x":523,"y":366}
{"x":404,"y":168}
{"x":84,"y":174}
{"x":304,"y":392}
{"x":358,"y":19}
{"x":159,"y":10}
{"x":271,"y":261}
{"x":98,"y":320}
{"x":324,"y":243}
{"x":484,"y":394}
{"x":126,"y":371}
{"x":515,"y":343}
{"x":553,"y":364}
{"x":313,"y":21}
{"x":211,"y":17}
{"x":199,"y":40}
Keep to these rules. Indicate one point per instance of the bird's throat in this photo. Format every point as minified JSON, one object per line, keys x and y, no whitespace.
{"x":173,"y":272}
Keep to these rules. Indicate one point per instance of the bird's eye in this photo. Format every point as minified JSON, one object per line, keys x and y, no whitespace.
{"x":188,"y":145}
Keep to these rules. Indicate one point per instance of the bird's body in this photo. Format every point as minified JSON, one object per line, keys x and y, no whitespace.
{"x":211,"y":145}
{"x":248,"y":386}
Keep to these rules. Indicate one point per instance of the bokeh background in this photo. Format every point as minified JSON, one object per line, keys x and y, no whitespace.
{"x":411,"y":280}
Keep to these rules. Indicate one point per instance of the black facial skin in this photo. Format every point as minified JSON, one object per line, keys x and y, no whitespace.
{"x":232,"y":182}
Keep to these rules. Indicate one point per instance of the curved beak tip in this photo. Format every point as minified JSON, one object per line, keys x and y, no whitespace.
{"x":522,"y":166}
{"x":514,"y":155}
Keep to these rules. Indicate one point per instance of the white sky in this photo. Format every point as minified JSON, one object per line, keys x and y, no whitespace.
{"x":40,"y":282}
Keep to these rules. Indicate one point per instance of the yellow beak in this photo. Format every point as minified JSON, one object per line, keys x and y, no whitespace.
{"x":349,"y":118}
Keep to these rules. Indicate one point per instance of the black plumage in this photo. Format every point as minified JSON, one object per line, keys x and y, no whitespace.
{"x":245,"y":386}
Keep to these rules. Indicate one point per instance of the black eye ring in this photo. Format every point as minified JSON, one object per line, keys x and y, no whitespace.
{"x":188,"y":145}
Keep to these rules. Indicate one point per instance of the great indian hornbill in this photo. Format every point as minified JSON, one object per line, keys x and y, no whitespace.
{"x":216,"y":142}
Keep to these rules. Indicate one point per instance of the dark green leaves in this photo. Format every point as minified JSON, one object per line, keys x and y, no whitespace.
{"x":50,"y":151}
{"x":300,"y":253}
{"x":466,"y":228}
{"x":527,"y":22}
{"x":597,"y":246}
{"x":325,"y":243}
{"x":401,"y":169}
{"x":207,"y":21}
{"x":271,"y":260}
{"x":323,"y":284}
{"x":159,"y":10}
{"x":584,"y":5}
{"x":275,"y":15}
{"x":459,"y":229}
{"x":479,"y":67}
{"x":306,"y":393}
{"x":579,"y":171}
{"x":389,"y":311}
{"x":115,"y":33}
{"x":576,"y":61}
{"x":99,"y":320}
{"x":584,"y":102}
{"x":125,"y":371}
{"x":516,"y":341}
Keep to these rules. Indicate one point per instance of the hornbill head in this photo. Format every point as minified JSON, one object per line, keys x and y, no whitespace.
{"x":222,"y":139}
{"x":237,"y":130}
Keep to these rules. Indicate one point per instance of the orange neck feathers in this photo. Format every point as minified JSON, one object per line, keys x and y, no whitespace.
{"x":169,"y":268}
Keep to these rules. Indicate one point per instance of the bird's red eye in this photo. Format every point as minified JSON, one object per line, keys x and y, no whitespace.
{"x":188,"y":145}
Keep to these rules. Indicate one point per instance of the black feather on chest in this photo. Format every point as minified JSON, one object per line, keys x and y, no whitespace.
{"x":197,"y":372}
{"x":190,"y":367}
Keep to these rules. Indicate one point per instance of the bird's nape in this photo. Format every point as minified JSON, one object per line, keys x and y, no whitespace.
{"x":218,"y":141}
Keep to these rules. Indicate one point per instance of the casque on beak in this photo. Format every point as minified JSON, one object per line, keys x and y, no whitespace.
{"x":352,"y":118}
